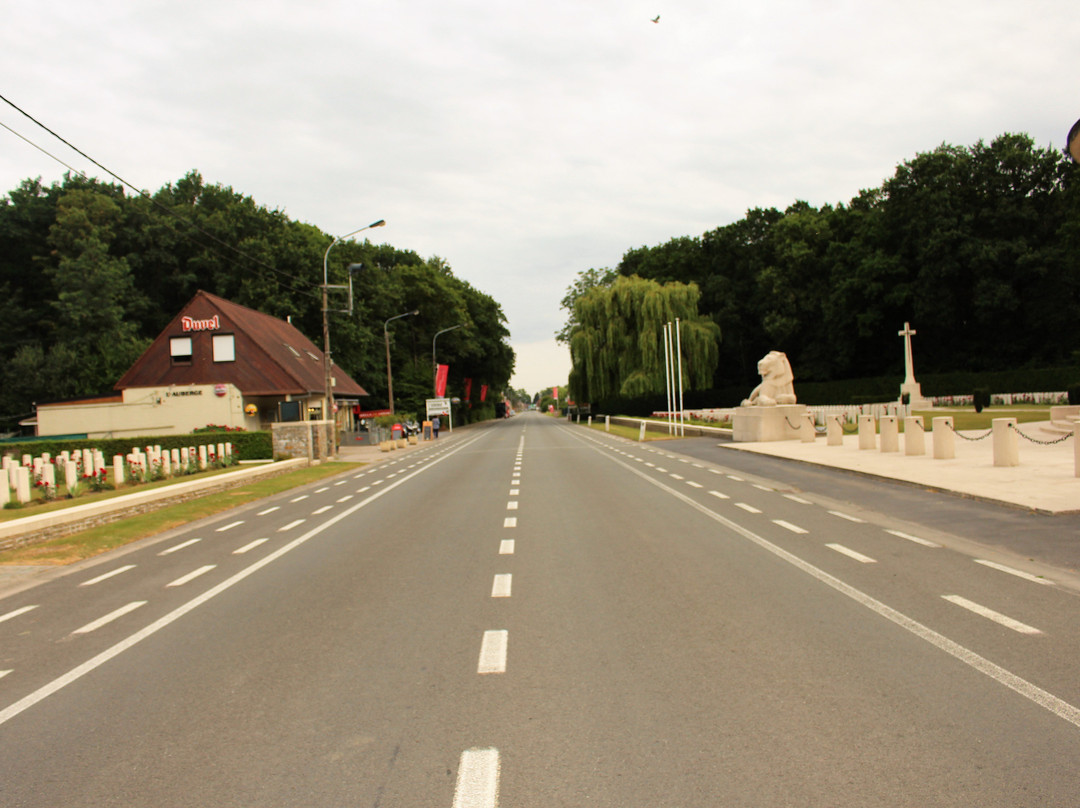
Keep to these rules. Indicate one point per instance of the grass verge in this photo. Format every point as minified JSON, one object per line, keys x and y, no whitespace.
{"x":88,"y":543}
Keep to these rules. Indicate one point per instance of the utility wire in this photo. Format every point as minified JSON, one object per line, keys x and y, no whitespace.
{"x":309,"y":289}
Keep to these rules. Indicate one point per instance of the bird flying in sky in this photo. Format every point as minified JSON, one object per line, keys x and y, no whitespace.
{"x":656,"y":18}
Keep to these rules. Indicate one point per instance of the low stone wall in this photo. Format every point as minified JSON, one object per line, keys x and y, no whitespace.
{"x":305,"y":439}
{"x":44,"y":526}
{"x":691,"y":431}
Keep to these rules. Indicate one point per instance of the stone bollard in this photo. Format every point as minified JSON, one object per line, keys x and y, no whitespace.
{"x":590,"y":421}
{"x":834,"y":431}
{"x":914,"y":436}
{"x":807,"y":431}
{"x":944,"y":439}
{"x":1006,"y":442}
{"x":890,"y":434}
{"x":1076,"y":448}
{"x":607,"y":423}
{"x":867,"y":432}
{"x":22,"y":485}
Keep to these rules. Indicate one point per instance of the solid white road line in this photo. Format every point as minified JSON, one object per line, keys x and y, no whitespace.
{"x":477,"y":779}
{"x":789,"y":526}
{"x":107,"y":575}
{"x":500,"y":587}
{"x":180,"y":546}
{"x":291,"y":525}
{"x":747,"y":508}
{"x":191,"y":576}
{"x":101,"y":621}
{"x":229,"y":526}
{"x":1027,"y":576}
{"x":916,"y":539}
{"x":506,"y":547}
{"x":990,"y":614}
{"x":851,"y":553}
{"x":16,"y":613}
{"x":246,"y":547}
{"x":510,"y":521}
{"x":847,"y":516}
{"x":493,"y":652}
{"x":268,"y":510}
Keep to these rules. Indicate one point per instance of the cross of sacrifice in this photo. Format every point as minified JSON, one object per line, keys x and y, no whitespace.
{"x":909,"y":364}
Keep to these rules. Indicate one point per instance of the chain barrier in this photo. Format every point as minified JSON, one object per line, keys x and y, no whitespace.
{"x":989,"y":432}
{"x":796,"y":427}
{"x":1050,"y":442}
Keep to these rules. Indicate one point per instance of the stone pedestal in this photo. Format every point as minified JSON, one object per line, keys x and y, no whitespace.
{"x":944,"y":439}
{"x":834,"y":431}
{"x":756,"y":424}
{"x":890,"y":434}
{"x":914,"y":436}
{"x":1006,"y":443}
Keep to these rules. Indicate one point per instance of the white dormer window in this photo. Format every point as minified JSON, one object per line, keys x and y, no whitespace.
{"x":180,"y":350}
{"x":224,"y":348}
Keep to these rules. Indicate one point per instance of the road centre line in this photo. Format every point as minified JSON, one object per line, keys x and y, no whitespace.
{"x":863,"y":559}
{"x":1048,"y":701}
{"x":514,"y":492}
{"x":191,"y":576}
{"x":916,"y":539}
{"x":477,"y":779}
{"x":101,"y":621}
{"x":510,"y":521}
{"x":95,"y":662}
{"x":506,"y":547}
{"x":247,"y":547}
{"x":493,"y":652}
{"x":990,"y":614}
{"x":500,"y":587}
{"x":512,"y":505}
{"x":107,"y":575}
{"x":180,"y":546}
{"x":1027,"y":576}
{"x":16,"y":613}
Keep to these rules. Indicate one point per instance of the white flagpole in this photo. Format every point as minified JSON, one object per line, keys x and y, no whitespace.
{"x":682,"y":412}
{"x":667,"y":375}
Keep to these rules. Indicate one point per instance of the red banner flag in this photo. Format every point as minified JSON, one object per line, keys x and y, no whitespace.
{"x":468,"y":389}
{"x":440,"y":381}
{"x":483,"y":393}
{"x":555,"y":393}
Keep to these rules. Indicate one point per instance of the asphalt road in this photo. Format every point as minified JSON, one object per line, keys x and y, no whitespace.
{"x":536,"y":614}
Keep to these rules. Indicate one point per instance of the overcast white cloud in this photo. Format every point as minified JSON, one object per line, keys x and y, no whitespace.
{"x":524,"y":142}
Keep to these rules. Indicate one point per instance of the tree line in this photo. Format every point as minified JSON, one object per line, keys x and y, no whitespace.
{"x":90,"y":275}
{"x":977,"y":247}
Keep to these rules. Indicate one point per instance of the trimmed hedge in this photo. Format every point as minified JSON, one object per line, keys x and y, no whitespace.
{"x":246,"y":445}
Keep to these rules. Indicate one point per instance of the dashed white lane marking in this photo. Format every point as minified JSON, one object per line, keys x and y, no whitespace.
{"x":863,"y":559}
{"x":661,"y":470}
{"x":800,"y":500}
{"x":512,"y":505}
{"x":500,"y":587}
{"x":377,"y":482}
{"x":101,"y":621}
{"x":268,"y":510}
{"x":514,"y":492}
{"x":323,"y":509}
{"x":362,"y":490}
{"x":718,"y":495}
{"x":916,"y":539}
{"x":847,"y":516}
{"x":107,"y":575}
{"x":320,"y":490}
{"x":510,"y":521}
{"x":1027,"y":576}
{"x":290,"y":526}
{"x":762,"y":487}
{"x":297,"y":499}
{"x":789,"y":526}
{"x":229,"y":526}
{"x":493,"y":652}
{"x":251,"y":546}
{"x":651,"y":465}
{"x":747,"y":508}
{"x":477,"y":779}
{"x":340,"y":482}
{"x":692,"y":484}
{"x":990,"y":614}
{"x":345,"y":498}
{"x":4,"y":673}
{"x":677,"y":477}
{"x":736,"y":479}
{"x":179,"y":546}
{"x":506,"y":547}
{"x":191,"y":576}
{"x":16,"y":613}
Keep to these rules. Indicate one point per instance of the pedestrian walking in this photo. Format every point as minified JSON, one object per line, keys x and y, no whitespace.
{"x":435,"y":425}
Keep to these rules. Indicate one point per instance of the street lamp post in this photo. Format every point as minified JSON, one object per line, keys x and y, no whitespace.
{"x":328,"y":398}
{"x":434,"y":362}
{"x":386,"y":335}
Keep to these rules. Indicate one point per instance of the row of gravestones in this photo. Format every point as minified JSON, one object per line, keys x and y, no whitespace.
{"x":89,"y":464}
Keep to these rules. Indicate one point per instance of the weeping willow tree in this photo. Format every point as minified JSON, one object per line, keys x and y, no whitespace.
{"x":617,"y":343}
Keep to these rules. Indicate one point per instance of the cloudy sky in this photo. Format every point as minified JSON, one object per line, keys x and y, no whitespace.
{"x":526,"y":141}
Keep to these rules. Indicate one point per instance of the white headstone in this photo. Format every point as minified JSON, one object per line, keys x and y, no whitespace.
{"x":22,"y":485}
{"x":118,"y":470}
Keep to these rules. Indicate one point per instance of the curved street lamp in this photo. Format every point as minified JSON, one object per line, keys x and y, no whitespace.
{"x":434,"y":363}
{"x":386,"y":335}
{"x":328,"y":398}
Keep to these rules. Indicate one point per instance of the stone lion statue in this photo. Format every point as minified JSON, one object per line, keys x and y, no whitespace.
{"x":776,"y":382}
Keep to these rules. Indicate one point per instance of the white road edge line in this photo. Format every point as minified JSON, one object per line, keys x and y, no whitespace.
{"x":990,"y":614}
{"x":92,"y":664}
{"x":1048,"y":701}
{"x":493,"y":651}
{"x":477,"y":779}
